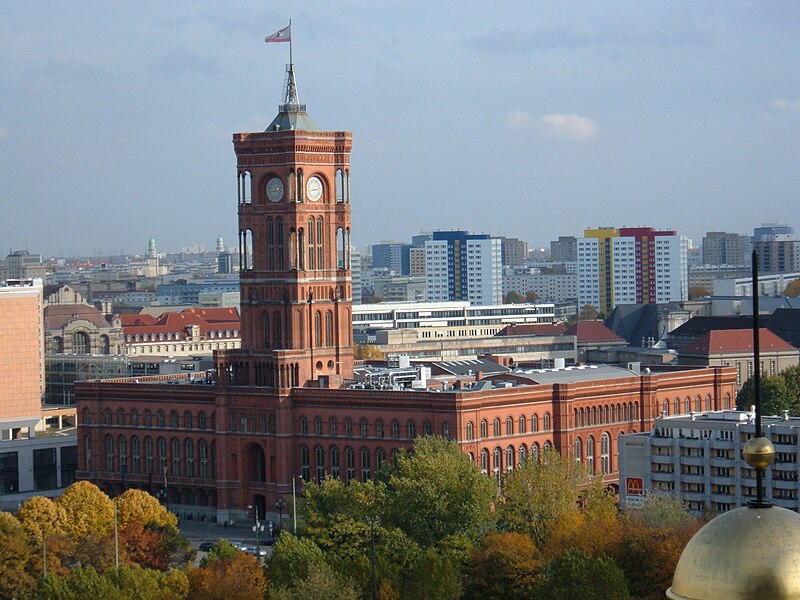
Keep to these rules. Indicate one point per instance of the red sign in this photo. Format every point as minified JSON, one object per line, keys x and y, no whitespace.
{"x":634,"y":486}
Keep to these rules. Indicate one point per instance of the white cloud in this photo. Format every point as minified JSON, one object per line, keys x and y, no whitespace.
{"x":786,"y":105}
{"x":570,"y":127}
{"x":565,"y":127}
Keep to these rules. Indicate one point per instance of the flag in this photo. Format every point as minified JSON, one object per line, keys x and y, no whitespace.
{"x":282,"y":35}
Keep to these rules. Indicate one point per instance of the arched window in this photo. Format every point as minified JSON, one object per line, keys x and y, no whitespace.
{"x":497,"y":461}
{"x":380,"y":457}
{"x":727,"y":400}
{"x":110,"y":463}
{"x":86,"y":417}
{"x":496,"y":427}
{"x":266,"y":320}
{"x":334,"y":427}
{"x":134,"y":417}
{"x":484,"y":429}
{"x":305,"y":466}
{"x":470,"y":431}
{"x":348,"y":427}
{"x":485,"y":460}
{"x":395,"y":428}
{"x":546,"y":421}
{"x":522,"y":424}
{"x":522,"y":455}
{"x":605,"y":449}
{"x":509,"y":459}
{"x":364,"y":428}
{"x":317,"y":329}
{"x":109,"y":417}
{"x":687,"y":405}
{"x":148,"y":418}
{"x":105,"y":345}
{"x":162,"y":454}
{"x":366,"y":470}
{"x":176,"y":457}
{"x":121,"y":417}
{"x":350,"y":464}
{"x":509,"y":426}
{"x":379,"y":428}
{"x":202,"y":449}
{"x":189,"y":447}
{"x":446,"y":430}
{"x":665,"y":406}
{"x":334,"y":461}
{"x":329,"y":328}
{"x":412,"y":430}
{"x":136,"y":451}
{"x":578,"y":449}
{"x":173,"y":419}
{"x":317,"y":426}
{"x":708,"y":402}
{"x":80,"y":343}
{"x":535,"y":452}
{"x":534,"y":423}
{"x":427,"y":428}
{"x":676,"y":406}
{"x":187,"y":420}
{"x":278,"y":331}
{"x":320,"y":459}
{"x":123,"y":454}
{"x":697,"y":406}
{"x":590,"y":455}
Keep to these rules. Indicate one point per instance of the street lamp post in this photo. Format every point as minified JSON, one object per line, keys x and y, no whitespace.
{"x":294,"y":501}
{"x":280,"y":504}
{"x":372,"y":522}
{"x":257,"y":527}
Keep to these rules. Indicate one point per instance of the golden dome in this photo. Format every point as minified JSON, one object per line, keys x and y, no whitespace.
{"x":742,"y":554}
{"x":758,"y":452}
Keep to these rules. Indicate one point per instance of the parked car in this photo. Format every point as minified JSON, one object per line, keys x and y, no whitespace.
{"x":270,"y":541}
{"x":206,"y":546}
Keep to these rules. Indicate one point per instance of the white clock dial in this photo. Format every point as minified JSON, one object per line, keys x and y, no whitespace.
{"x":275,"y":189}
{"x":314,"y":189}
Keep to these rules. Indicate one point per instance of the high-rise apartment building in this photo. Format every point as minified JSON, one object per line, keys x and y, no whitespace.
{"x":631,"y":265}
{"x":778,"y":249}
{"x":721,"y":248}
{"x":463,"y":266}
{"x":21,"y":264}
{"x":564,"y":249}
{"x":416,"y":261}
{"x":515,"y":251}
{"x":392,"y":256}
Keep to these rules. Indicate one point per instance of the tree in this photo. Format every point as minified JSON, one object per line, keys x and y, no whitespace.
{"x":531,"y":296}
{"x":137,"y":505}
{"x":775,"y":396}
{"x":292,"y":559}
{"x":538,"y":494}
{"x":368,"y":352}
{"x":513,"y":297}
{"x":81,"y":582}
{"x":434,"y":576}
{"x":153,"y":546}
{"x":698,"y":291}
{"x":588,"y":313}
{"x":321,"y":583}
{"x":87,"y":510}
{"x":793,"y":289}
{"x":40,"y":516}
{"x":15,"y":551}
{"x":505,"y":566}
{"x":139,"y":583}
{"x":436,"y":491}
{"x":577,"y":575}
{"x":222,"y":550}
{"x":240,"y":577}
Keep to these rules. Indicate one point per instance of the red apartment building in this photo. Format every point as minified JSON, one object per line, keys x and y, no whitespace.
{"x":283,"y":405}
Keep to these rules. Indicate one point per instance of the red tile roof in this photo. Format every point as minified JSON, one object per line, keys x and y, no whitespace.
{"x":593,"y":332}
{"x":219,"y":320}
{"x":720,"y":341}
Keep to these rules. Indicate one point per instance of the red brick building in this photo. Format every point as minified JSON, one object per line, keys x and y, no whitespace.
{"x":284,"y":405}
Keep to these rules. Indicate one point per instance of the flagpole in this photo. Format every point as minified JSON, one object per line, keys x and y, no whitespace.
{"x":290,"y":43}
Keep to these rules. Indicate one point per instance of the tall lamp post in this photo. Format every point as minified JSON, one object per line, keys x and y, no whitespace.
{"x":280,"y":504}
{"x":257,"y":526}
{"x":294,"y":500}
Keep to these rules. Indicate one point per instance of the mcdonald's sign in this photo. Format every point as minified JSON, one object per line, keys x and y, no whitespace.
{"x":634,"y":486}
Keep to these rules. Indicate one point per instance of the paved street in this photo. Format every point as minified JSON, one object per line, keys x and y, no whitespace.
{"x":198,"y":532}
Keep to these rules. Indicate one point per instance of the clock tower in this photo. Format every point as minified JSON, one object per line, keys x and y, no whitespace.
{"x":294,"y":253}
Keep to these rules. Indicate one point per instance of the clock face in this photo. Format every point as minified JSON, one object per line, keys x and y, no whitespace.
{"x":314,"y":189}
{"x":275,"y":189}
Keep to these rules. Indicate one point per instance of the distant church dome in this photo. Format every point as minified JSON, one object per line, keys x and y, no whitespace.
{"x":741,"y":554}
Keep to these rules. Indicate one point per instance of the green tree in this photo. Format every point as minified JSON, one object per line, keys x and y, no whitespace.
{"x":698,"y":291}
{"x":436,"y":491}
{"x":791,"y":377}
{"x":539,"y":493}
{"x":292,"y":559}
{"x":15,"y":552}
{"x":505,"y":566}
{"x":320,"y":583}
{"x":531,"y":296}
{"x":434,"y":576}
{"x":775,"y":396}
{"x":577,"y":575}
{"x":138,"y":583}
{"x":513,"y":297}
{"x":81,"y":582}
{"x":222,"y":550}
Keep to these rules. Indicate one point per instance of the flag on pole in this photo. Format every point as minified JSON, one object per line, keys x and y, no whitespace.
{"x":282,"y":35}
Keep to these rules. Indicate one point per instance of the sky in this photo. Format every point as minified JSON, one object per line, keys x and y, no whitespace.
{"x":525,"y":118}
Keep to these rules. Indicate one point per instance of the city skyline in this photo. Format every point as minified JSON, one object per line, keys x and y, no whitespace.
{"x":117,"y":121}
